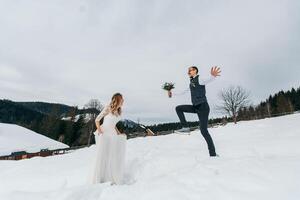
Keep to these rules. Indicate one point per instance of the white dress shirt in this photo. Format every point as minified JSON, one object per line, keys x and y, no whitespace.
{"x":204,"y":81}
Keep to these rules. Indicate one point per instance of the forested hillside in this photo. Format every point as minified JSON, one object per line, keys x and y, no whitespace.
{"x":277,"y":104}
{"x":45,"y":118}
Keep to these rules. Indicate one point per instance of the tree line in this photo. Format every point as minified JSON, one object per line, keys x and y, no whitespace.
{"x":283,"y":102}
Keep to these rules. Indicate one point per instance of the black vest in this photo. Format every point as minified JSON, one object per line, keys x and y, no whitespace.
{"x":198,"y":92}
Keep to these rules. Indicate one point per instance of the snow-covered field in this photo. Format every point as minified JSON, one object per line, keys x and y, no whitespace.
{"x":259,"y":160}
{"x":15,"y":138}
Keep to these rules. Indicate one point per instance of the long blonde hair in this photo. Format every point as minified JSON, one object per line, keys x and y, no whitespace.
{"x":116,"y":101}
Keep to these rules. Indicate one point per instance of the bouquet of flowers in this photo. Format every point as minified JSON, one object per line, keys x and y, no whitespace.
{"x":168,"y":87}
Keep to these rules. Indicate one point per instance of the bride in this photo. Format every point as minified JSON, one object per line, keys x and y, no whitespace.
{"x":110,"y":145}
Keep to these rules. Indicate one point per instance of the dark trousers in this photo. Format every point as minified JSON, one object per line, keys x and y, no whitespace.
{"x":202,"y":110}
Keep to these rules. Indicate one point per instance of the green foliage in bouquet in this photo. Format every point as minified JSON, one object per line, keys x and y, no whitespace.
{"x":168,"y":86}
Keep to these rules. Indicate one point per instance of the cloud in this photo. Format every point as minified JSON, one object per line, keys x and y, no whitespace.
{"x":69,"y":52}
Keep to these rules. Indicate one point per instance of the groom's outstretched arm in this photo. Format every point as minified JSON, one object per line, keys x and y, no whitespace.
{"x":206,"y":81}
{"x":214,"y":73}
{"x":180,"y":93}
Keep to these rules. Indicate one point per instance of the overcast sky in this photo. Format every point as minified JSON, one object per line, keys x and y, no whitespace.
{"x":69,"y":51}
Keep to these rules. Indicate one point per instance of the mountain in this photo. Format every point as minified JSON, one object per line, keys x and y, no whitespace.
{"x":259,"y":160}
{"x":129,"y":126}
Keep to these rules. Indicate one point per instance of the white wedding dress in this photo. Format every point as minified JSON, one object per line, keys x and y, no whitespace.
{"x":109,"y":162}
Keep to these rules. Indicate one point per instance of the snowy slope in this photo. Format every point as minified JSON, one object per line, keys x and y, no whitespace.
{"x":15,"y":138}
{"x":259,"y":160}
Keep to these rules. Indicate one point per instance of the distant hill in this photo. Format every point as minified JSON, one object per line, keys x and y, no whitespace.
{"x":16,"y":113}
{"x":55,"y":109}
{"x":47,"y":108}
{"x":45,"y":118}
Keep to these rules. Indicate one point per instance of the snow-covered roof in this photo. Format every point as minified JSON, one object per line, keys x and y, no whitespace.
{"x":14,"y":138}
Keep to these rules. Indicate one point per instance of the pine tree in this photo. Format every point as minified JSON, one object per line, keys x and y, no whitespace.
{"x":283,"y":105}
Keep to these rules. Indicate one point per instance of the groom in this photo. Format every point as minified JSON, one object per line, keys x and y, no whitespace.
{"x":199,"y":105}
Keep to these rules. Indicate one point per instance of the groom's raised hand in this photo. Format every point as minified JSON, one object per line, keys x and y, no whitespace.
{"x":215,"y":71}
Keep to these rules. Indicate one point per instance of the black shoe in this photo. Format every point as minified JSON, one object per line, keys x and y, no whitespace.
{"x":214,"y":155}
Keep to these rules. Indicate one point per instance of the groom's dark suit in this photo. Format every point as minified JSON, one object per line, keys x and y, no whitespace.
{"x":201,"y":108}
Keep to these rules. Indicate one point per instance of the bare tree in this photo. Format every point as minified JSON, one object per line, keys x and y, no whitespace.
{"x":95,"y":106}
{"x":232,"y":100}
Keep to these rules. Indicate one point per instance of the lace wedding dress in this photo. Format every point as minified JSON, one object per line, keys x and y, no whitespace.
{"x":109,"y":160}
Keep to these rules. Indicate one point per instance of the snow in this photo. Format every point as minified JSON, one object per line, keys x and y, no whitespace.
{"x":14,"y":138}
{"x":76,"y":118}
{"x":258,"y":160}
{"x":86,"y":117}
